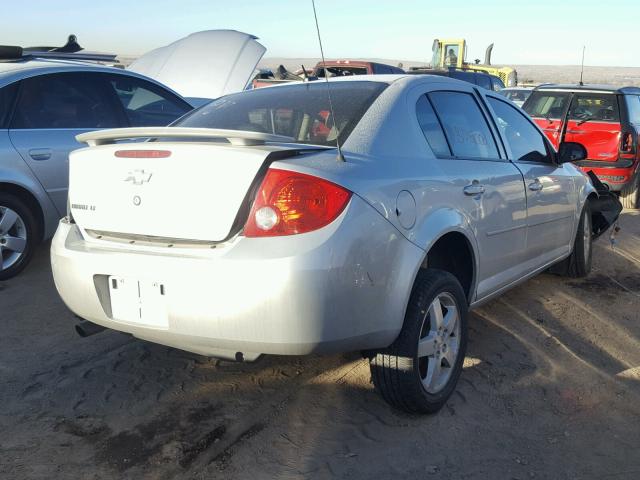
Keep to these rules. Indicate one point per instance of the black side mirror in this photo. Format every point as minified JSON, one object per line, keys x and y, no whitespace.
{"x":571,"y":152}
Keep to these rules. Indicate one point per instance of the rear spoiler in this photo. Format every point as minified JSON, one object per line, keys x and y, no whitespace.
{"x":235,"y":137}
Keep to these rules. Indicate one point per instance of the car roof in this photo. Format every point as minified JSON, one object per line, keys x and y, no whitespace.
{"x":13,"y":71}
{"x":445,"y":73}
{"x":589,"y":88}
{"x":27,"y":68}
{"x":387,"y":78}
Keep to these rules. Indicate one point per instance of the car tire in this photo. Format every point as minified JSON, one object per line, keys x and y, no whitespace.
{"x":578,"y":264}
{"x":406,"y":373}
{"x":18,"y":234}
{"x":630,"y":195}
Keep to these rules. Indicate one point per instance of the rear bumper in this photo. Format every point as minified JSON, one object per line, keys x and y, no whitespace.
{"x":615,"y":177}
{"x":344,"y":287}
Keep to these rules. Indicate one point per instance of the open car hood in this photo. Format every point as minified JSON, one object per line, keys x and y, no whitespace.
{"x":204,"y":65}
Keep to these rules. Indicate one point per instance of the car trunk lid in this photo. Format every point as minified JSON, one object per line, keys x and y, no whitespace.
{"x":183,"y":190}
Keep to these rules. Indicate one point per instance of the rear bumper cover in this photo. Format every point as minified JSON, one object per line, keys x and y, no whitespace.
{"x":344,"y":287}
{"x":611,"y":173}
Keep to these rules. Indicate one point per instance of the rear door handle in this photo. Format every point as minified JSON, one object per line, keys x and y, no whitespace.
{"x":474,"y":189}
{"x":536,"y":186}
{"x":40,"y":153}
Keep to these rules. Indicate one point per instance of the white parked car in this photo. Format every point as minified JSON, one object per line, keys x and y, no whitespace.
{"x":517,"y":95}
{"x":240,"y":231}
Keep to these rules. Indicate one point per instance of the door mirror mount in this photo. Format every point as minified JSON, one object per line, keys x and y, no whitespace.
{"x":571,"y":152}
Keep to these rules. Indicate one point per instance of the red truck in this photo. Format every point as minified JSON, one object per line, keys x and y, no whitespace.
{"x":335,"y":68}
{"x":606,"y":120}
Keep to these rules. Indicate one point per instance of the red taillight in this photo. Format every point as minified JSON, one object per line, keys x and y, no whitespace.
{"x":143,"y":153}
{"x":288,"y":203}
{"x":626,"y":142}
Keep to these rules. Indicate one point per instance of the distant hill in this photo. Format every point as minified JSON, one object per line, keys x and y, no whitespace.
{"x":526,"y":73}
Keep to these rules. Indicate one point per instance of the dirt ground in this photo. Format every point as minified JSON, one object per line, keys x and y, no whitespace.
{"x":550,"y":390}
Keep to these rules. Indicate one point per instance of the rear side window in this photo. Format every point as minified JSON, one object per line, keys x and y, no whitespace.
{"x":594,"y":107}
{"x":65,"y":100}
{"x":145,"y":104}
{"x":7,"y":97}
{"x":633,"y":106}
{"x":431,"y":128}
{"x":300,"y":111}
{"x":464,"y":124}
{"x":546,"y":104}
{"x":526,"y":142}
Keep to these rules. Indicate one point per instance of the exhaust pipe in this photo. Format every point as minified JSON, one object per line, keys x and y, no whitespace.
{"x":487,"y":55}
{"x":86,"y":329}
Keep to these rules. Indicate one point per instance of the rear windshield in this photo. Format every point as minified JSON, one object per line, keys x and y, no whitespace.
{"x":300,"y":111}
{"x":546,"y":104}
{"x":633,"y":106}
{"x":516,"y":95}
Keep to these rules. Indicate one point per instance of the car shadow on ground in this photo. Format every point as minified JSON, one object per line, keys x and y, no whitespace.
{"x":549,"y":390}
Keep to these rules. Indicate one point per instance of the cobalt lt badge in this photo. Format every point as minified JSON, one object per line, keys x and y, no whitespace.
{"x":137,"y":200}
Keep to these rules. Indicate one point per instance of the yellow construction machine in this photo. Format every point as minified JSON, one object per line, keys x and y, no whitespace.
{"x":452,"y":54}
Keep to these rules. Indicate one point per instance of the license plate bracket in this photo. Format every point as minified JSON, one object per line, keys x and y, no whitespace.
{"x":142,"y":302}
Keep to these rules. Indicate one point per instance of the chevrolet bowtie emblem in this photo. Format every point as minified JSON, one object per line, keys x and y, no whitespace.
{"x":138,"y":177}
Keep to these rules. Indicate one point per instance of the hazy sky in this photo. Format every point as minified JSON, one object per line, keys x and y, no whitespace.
{"x":524,"y":32}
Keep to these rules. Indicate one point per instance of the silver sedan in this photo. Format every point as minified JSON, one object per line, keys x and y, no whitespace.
{"x":242,"y":230}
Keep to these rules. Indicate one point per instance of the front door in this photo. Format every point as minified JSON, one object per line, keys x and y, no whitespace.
{"x":550,"y":188}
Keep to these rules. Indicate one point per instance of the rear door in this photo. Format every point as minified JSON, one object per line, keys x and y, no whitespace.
{"x":50,"y":111}
{"x":551,"y":192}
{"x":479,"y":180}
{"x":594,"y":121}
{"x":548,"y":109}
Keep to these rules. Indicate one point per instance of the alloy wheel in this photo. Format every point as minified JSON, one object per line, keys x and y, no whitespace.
{"x":439,"y":343}
{"x":13,"y":238}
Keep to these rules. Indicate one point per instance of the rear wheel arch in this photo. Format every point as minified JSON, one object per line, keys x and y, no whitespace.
{"x":453,"y":252}
{"x":30,"y":200}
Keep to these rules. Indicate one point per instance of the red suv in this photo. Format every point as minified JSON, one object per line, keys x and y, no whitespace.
{"x":605,"y":119}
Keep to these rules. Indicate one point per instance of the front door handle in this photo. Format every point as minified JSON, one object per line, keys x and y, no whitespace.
{"x":40,"y":153}
{"x":536,"y":186}
{"x":474,"y":189}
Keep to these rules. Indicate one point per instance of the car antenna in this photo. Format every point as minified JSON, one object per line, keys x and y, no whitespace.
{"x":582,"y":66}
{"x":326,"y":79}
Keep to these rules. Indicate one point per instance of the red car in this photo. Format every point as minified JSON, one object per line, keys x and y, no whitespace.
{"x":605,"y":119}
{"x":336,"y":68}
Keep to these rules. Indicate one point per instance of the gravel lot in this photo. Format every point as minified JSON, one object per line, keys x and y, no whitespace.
{"x":550,"y":389}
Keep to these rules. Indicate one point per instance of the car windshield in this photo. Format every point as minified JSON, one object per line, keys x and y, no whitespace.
{"x":546,"y":104}
{"x":300,"y":111}
{"x":594,"y":107}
